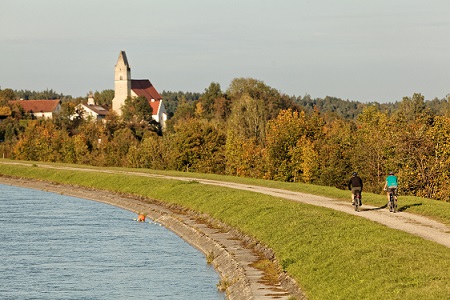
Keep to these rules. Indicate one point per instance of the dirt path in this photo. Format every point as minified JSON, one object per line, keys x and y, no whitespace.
{"x":233,"y":257}
{"x":411,"y":223}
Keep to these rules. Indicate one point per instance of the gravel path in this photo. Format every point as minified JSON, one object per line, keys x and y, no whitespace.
{"x":411,"y":223}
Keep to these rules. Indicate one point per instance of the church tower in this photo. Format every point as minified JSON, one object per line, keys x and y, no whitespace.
{"x":122,"y":83}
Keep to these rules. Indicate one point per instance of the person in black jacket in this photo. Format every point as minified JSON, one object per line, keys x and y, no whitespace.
{"x":355,"y":184}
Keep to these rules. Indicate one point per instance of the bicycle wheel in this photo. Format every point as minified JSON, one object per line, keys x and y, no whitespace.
{"x":390,"y":204}
{"x":356,"y":200}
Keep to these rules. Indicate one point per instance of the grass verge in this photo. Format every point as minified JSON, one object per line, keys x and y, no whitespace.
{"x":332,"y":255}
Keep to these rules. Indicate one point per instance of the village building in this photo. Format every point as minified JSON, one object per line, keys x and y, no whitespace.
{"x":39,"y":108}
{"x":90,"y":110}
{"x":125,"y":87}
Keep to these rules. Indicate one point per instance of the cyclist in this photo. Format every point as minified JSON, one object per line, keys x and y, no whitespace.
{"x":391,"y":185}
{"x":355,"y":184}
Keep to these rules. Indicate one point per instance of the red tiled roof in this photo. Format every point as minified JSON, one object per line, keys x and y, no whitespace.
{"x":155,"y":106}
{"x":143,"y":87}
{"x":36,"y":106}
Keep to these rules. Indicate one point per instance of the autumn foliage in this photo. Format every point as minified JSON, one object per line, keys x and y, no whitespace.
{"x":252,"y":130}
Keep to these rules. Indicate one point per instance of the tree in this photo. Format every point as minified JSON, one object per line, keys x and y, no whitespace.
{"x":198,"y":146}
{"x":185,"y":111}
{"x":118,"y":148}
{"x":248,"y":118}
{"x":244,"y":156}
{"x":373,"y":147}
{"x":112,"y":124}
{"x":81,"y":149}
{"x":5,"y":111}
{"x":335,"y":153}
{"x":63,"y":119}
{"x":10,"y":130}
{"x":151,"y":153}
{"x":258,"y":90}
{"x":438,"y":174}
{"x":245,"y":137}
{"x":7,"y":95}
{"x":304,"y":160}
{"x":199,"y":110}
{"x":137,"y":109}
{"x":104,"y":97}
{"x":138,"y":114}
{"x":208,"y":99}
{"x":173,"y":99}
{"x":413,"y":107}
{"x":41,"y":141}
{"x":283,"y":136}
{"x":48,"y":95}
{"x":222,"y":109}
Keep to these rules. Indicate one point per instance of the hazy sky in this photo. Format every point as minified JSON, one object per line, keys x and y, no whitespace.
{"x":378,"y":50}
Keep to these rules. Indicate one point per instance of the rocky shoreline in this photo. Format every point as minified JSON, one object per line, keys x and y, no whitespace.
{"x":231,"y":253}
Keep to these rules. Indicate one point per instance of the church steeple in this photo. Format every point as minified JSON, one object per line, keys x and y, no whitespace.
{"x":122,"y":82}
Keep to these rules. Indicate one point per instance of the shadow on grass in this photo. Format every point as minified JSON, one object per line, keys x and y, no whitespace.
{"x":403,"y":208}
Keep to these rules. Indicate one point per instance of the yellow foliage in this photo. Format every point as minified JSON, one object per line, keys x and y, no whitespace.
{"x":199,"y":110}
{"x":5,"y":111}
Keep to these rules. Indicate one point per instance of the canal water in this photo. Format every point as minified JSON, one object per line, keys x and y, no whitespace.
{"x":59,"y":247}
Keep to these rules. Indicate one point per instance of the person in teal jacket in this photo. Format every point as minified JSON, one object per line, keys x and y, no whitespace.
{"x":391,"y":185}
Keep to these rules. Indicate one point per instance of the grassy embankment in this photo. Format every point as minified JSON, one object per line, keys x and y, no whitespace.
{"x":332,"y":255}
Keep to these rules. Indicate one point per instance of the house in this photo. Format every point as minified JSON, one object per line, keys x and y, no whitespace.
{"x":125,"y":87}
{"x":90,"y":110}
{"x":39,"y":108}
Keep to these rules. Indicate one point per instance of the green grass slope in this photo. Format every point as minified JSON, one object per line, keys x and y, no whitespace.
{"x":332,"y":255}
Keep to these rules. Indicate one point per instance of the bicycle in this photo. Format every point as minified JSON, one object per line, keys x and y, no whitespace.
{"x":357,"y":200}
{"x":392,"y":204}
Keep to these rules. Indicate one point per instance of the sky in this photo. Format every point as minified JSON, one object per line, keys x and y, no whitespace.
{"x":358,"y":50}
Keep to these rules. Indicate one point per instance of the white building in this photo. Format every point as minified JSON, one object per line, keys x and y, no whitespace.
{"x":39,"y":108}
{"x":125,"y":87}
{"x":90,"y":110}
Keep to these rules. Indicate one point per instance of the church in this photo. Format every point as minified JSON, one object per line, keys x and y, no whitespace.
{"x":125,"y":87}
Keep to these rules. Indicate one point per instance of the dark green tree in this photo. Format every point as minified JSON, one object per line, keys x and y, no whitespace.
{"x":185,"y":111}
{"x":137,"y":109}
{"x":7,"y":94}
{"x":104,"y":97}
{"x":208,"y":99}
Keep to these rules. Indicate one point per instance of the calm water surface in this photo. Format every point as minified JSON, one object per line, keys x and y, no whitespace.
{"x":59,"y":247}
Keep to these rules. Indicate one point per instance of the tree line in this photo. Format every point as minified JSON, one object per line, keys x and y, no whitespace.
{"x":254,"y":130}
